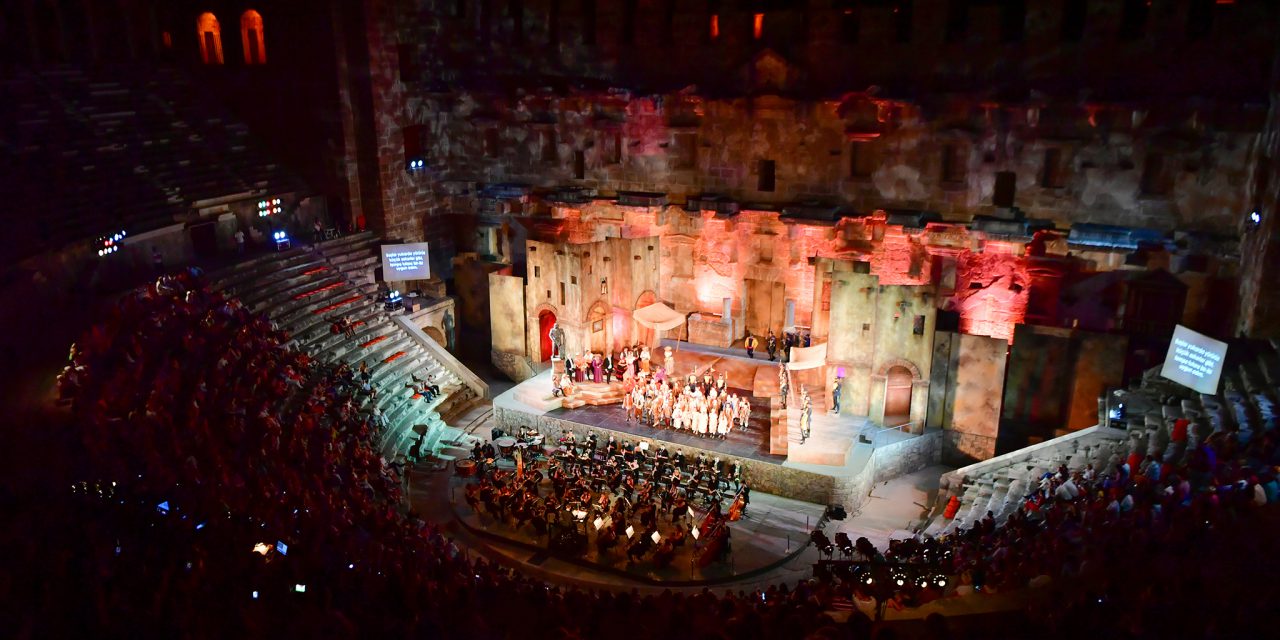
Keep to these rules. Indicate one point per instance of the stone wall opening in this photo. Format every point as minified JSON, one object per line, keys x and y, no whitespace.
{"x":546,"y":320}
{"x":897,"y":395}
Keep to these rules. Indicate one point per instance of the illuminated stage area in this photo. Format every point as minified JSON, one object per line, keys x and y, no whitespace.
{"x":799,"y":475}
{"x":620,"y":319}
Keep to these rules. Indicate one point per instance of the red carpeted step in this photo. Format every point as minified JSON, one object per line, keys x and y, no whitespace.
{"x":374,"y":341}
{"x":393,"y":357}
{"x":315,"y":270}
{"x":308,"y":294}
{"x":340,"y":303}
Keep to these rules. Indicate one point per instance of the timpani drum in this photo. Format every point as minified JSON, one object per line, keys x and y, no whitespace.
{"x":506,"y":445}
{"x":465,"y":468}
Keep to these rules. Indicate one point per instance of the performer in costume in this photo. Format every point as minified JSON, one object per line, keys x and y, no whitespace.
{"x":784,"y":383}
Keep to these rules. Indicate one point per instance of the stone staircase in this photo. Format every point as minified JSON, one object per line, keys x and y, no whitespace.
{"x":304,"y":289}
{"x":599,"y":393}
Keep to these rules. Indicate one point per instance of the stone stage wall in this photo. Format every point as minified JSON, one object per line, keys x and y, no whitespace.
{"x":848,"y":486}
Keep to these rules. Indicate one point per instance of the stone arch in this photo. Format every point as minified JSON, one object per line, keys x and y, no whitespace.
{"x":545,"y":306}
{"x":889,"y":396}
{"x":210,"y":34}
{"x":646,"y":298}
{"x":883,"y":369}
{"x":598,"y":335}
{"x":252,"y":38}
{"x":437,"y":335}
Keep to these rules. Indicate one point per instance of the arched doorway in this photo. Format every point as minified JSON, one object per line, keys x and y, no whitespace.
{"x":251,"y":37}
{"x":598,"y":327}
{"x":546,"y":320}
{"x":643,"y":334}
{"x":210,"y":34}
{"x":897,"y":395}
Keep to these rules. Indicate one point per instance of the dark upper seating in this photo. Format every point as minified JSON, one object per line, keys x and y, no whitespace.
{"x":87,"y":153}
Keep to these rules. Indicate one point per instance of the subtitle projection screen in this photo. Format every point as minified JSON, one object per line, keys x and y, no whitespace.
{"x":405,"y":262}
{"x":1194,"y":360}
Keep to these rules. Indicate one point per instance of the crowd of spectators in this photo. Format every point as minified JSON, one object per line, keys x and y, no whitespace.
{"x":1081,"y":527}
{"x":234,"y":490}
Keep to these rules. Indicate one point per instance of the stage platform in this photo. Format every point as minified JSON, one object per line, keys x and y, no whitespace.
{"x":832,"y":467}
{"x":774,"y":530}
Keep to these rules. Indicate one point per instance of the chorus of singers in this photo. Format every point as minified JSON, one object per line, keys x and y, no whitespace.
{"x":623,"y":487}
{"x":703,"y":406}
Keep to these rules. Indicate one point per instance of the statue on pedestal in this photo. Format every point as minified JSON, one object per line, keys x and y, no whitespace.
{"x":557,"y":340}
{"x":448,"y":330}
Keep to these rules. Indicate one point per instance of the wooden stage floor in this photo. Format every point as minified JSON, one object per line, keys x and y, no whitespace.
{"x":752,"y":443}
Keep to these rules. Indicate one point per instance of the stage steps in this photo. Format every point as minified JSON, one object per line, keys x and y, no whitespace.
{"x":828,"y":443}
{"x":598,"y":393}
{"x":536,"y":393}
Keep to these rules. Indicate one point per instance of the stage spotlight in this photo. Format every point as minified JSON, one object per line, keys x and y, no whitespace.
{"x":262,"y":548}
{"x":299,"y":588}
{"x":940,"y":580}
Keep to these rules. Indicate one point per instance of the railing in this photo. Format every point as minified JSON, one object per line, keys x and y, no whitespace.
{"x":446,"y":359}
{"x":876,"y":437}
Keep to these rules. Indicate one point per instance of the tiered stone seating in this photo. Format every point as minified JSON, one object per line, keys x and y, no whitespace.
{"x":118,"y":148}
{"x":356,"y":256}
{"x":1247,"y":406}
{"x":303,"y":290}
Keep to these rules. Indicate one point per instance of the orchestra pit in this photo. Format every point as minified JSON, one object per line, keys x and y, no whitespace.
{"x":621,"y":319}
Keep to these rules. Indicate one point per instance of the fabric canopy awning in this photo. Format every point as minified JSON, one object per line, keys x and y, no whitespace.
{"x":808,"y":357}
{"x":659,"y":316}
